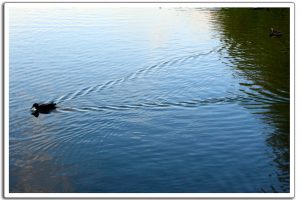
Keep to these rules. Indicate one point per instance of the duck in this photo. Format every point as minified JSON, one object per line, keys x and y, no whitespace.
{"x":275,"y":33}
{"x":46,"y":108}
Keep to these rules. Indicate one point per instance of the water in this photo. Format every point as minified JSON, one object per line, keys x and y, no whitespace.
{"x":150,"y":100}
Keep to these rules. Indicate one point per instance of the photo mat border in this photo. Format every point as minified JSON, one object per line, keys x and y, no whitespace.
{"x":5,"y":87}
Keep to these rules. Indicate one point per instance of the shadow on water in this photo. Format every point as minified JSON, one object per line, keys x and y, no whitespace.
{"x":262,"y":63}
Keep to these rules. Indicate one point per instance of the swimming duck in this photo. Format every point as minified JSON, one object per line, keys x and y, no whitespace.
{"x":46,"y":108}
{"x":274,"y":33}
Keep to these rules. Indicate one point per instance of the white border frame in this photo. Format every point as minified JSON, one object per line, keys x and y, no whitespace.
{"x":7,"y":194}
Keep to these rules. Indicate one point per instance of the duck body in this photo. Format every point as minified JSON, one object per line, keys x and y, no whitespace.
{"x":274,"y":33}
{"x":46,"y":108}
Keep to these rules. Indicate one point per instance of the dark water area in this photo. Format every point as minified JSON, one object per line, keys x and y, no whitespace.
{"x":150,"y":100}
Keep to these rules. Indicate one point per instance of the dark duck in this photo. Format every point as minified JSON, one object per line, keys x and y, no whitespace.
{"x":46,"y":108}
{"x":275,"y":33}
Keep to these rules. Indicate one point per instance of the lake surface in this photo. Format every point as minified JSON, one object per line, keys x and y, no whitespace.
{"x":151,"y":99}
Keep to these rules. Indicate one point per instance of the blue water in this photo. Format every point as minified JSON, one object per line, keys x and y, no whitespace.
{"x":149,"y":100}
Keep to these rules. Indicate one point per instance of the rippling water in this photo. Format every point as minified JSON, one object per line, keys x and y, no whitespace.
{"x":150,"y":100}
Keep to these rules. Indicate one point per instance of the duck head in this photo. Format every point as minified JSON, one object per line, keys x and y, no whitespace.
{"x":34,"y":110}
{"x":34,"y":107}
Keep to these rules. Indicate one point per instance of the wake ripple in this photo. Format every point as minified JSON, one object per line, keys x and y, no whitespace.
{"x":193,"y":103}
{"x":135,"y":75}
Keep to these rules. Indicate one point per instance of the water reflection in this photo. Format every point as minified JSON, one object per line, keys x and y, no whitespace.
{"x":34,"y":168}
{"x":262,"y":64}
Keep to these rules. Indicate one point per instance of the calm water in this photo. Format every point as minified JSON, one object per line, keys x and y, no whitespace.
{"x":150,"y":100}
